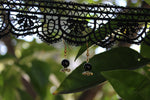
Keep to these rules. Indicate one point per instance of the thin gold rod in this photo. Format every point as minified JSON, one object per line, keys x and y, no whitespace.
{"x":65,"y":50}
{"x":87,"y":54}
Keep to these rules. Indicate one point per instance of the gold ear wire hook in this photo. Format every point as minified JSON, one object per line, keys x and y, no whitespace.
{"x":65,"y":63}
{"x":87,"y":54}
{"x":65,"y":51}
{"x":87,"y":65}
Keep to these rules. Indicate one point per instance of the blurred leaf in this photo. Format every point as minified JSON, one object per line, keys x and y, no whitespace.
{"x":55,"y":69}
{"x":1,"y":82}
{"x":6,"y":58}
{"x":11,"y":77}
{"x":23,"y":67}
{"x":147,"y":70}
{"x":117,"y":58}
{"x":145,"y":50}
{"x":49,"y":96}
{"x":108,"y":92}
{"x":129,"y":84}
{"x":9,"y":94}
{"x":34,"y":47}
{"x":82,"y":50}
{"x":39,"y":74}
{"x":146,"y":1}
{"x":11,"y":81}
{"x":24,"y":95}
{"x":59,"y":97}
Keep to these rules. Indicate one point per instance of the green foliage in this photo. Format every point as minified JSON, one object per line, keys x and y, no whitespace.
{"x":129,"y":85}
{"x":39,"y":74}
{"x":33,"y":63}
{"x":145,"y":50}
{"x":82,"y":50}
{"x":9,"y":82}
{"x":32,"y":47}
{"x":145,"y":53}
{"x":39,"y":61}
{"x":147,"y":1}
{"x":121,"y":58}
{"x":24,"y":95}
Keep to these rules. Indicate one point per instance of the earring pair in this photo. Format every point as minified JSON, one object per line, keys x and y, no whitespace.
{"x":87,"y":66}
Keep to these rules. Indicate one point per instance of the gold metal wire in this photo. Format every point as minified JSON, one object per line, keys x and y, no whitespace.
{"x":65,"y":50}
{"x":87,"y":54}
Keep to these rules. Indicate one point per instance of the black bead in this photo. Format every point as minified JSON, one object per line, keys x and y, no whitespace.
{"x":65,"y":63}
{"x":87,"y":67}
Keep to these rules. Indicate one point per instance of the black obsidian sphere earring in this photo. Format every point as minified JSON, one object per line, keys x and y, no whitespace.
{"x":87,"y":66}
{"x":65,"y":63}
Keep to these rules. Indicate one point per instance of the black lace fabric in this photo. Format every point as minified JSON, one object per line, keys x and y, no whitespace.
{"x":74,"y":23}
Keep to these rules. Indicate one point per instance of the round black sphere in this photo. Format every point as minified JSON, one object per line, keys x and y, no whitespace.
{"x":65,"y":63}
{"x":87,"y":67}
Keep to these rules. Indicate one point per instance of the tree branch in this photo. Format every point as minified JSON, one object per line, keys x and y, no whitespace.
{"x":29,"y":88}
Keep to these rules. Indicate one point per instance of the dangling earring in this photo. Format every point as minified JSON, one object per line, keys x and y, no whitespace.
{"x":65,"y":63}
{"x":87,"y":65}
